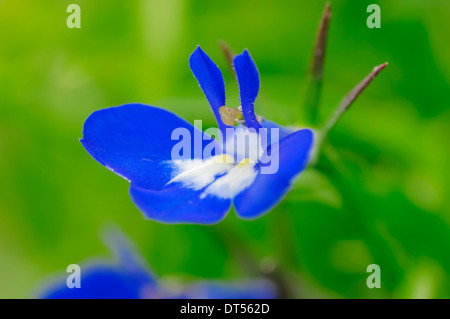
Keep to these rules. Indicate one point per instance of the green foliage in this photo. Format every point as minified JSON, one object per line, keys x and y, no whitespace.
{"x":378,"y":194}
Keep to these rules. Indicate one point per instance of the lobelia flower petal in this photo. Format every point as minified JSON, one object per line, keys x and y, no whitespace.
{"x":134,"y":141}
{"x":101,"y":281}
{"x":267,"y":189}
{"x":130,"y":278}
{"x":247,"y":289}
{"x":282,"y":133}
{"x":210,"y":79}
{"x":248,"y":79}
{"x":127,"y":278}
{"x":128,"y":258}
{"x":180,"y":205}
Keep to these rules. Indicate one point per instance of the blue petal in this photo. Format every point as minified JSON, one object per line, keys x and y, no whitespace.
{"x":248,"y":78}
{"x":127,"y":257}
{"x":257,"y":289}
{"x":100,"y":281}
{"x":211,"y":81}
{"x":282,"y":133}
{"x":134,"y":141}
{"x":180,"y":205}
{"x":129,"y":278}
{"x":267,"y":189}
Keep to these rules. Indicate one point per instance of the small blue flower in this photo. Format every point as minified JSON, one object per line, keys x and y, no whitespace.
{"x":136,"y":142}
{"x":129,"y":278}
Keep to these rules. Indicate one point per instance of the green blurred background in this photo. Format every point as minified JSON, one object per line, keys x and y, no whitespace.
{"x":380,"y":195}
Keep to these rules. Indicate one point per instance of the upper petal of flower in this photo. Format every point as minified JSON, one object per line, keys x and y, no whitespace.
{"x":210,"y":80}
{"x":135,"y":141}
{"x":248,"y":79}
{"x":267,"y":189}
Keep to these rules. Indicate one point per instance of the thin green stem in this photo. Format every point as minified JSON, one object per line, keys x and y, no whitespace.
{"x":322,"y":134}
{"x":316,"y":68}
{"x":350,"y":98}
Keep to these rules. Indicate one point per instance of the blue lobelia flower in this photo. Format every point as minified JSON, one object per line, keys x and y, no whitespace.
{"x":138,"y":142}
{"x":129,"y":278}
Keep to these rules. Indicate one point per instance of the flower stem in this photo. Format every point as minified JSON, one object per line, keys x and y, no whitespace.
{"x":322,"y":134}
{"x":350,"y":98}
{"x":316,"y":67}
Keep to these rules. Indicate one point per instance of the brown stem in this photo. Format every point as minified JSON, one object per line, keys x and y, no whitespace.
{"x":351,"y":97}
{"x":316,"y":67}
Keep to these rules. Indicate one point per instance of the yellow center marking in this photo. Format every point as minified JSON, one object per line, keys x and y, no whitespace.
{"x":223,"y":159}
{"x":246,"y":161}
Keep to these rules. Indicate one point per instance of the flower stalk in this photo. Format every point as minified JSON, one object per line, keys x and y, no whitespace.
{"x":350,"y":98}
{"x":316,"y":68}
